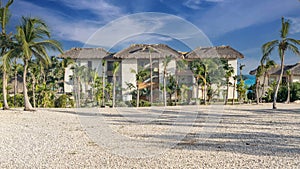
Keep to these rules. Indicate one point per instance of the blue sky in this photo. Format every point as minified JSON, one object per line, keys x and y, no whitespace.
{"x":243,"y":24}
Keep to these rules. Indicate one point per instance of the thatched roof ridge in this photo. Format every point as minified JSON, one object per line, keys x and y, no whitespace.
{"x":143,"y":51}
{"x":85,"y":53}
{"x":295,"y":70}
{"x":225,"y":52}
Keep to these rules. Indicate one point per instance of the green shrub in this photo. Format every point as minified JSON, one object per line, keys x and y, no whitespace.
{"x":64,"y":101}
{"x":16,"y":101}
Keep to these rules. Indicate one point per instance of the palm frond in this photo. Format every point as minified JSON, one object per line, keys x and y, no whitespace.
{"x":285,"y":27}
{"x":294,"y":41}
{"x":294,"y":49}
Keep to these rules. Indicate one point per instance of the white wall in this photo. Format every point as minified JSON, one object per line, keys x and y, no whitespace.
{"x":127,"y":76}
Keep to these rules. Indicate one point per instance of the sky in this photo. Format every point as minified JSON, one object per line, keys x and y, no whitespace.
{"x":244,"y":25}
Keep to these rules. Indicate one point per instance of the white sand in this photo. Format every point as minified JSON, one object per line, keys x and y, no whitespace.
{"x":248,"y":136}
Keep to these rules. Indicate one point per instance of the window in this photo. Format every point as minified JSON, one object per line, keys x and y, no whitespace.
{"x":110,"y":65}
{"x":90,"y":64}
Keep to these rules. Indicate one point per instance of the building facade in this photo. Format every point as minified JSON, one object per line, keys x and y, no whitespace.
{"x":152,"y":57}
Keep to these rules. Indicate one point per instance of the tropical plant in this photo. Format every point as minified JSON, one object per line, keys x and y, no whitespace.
{"x":234,"y":87}
{"x":171,"y":87}
{"x":103,"y":82}
{"x":229,"y":71}
{"x":288,"y":81}
{"x":141,"y":76}
{"x":199,"y":70}
{"x":283,"y":44}
{"x":33,"y":39}
{"x":181,"y":65}
{"x":78,"y":75}
{"x":166,"y":62}
{"x":6,"y":43}
{"x":266,"y":68}
{"x":116,"y":67}
{"x":259,"y":72}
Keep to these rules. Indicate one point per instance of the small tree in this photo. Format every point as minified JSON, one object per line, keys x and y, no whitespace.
{"x":116,"y":67}
{"x":288,"y":73}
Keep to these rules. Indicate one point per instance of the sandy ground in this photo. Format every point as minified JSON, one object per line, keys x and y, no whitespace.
{"x":243,"y":136}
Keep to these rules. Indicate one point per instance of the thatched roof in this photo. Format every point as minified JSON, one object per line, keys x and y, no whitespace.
{"x":143,"y":51}
{"x":295,"y":70}
{"x":85,"y":53}
{"x":225,"y":52}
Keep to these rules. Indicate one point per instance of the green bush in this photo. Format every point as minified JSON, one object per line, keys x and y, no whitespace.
{"x":16,"y":101}
{"x":64,"y":101}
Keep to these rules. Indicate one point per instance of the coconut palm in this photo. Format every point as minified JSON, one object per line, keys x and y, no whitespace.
{"x":33,"y":39}
{"x":78,"y":75}
{"x":17,"y":67}
{"x":116,"y":67}
{"x":5,"y":45}
{"x":199,"y":70}
{"x":266,"y":68}
{"x":283,"y":44}
{"x":234,"y":87}
{"x":229,"y":71}
{"x":180,"y":65}
{"x":103,"y":82}
{"x":166,"y":62}
{"x":141,"y":76}
{"x":288,"y":74}
{"x":64,"y":64}
{"x":259,"y":72}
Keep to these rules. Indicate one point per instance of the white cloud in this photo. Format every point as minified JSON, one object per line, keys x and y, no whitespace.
{"x":136,"y":25}
{"x":100,"y":8}
{"x":295,"y":25}
{"x":236,"y":14}
{"x":196,"y":4}
{"x":62,"y":27}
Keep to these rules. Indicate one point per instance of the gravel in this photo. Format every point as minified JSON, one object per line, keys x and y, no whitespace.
{"x":242,"y":136}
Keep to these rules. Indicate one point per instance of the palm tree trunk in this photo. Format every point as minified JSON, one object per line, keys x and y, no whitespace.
{"x":289,"y":91}
{"x":205,"y":93}
{"x":15,"y":87}
{"x":278,"y":81}
{"x":103,"y":89}
{"x":226,"y":99}
{"x":197,"y":94}
{"x":33,"y":91}
{"x":27,"y":104}
{"x":4,"y":90}
{"x":233,"y":93}
{"x":137,"y":97}
{"x":165,"y":92}
{"x":114,"y":92}
{"x":79,"y":91}
{"x":257,"y":90}
{"x":263,"y":87}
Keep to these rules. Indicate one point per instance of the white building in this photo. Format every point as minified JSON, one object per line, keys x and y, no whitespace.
{"x":139,"y":56}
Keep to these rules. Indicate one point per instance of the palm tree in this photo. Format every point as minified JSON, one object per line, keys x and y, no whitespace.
{"x":78,"y":75}
{"x":200,"y":70}
{"x":116,"y":67}
{"x":229,"y":71}
{"x":4,"y":18}
{"x":234,"y":87}
{"x":64,"y":64}
{"x":103,"y":82}
{"x":288,"y":73}
{"x":241,"y":84}
{"x":141,"y":76}
{"x":16,"y":69}
{"x":180,"y":65}
{"x":33,"y":38}
{"x":269,"y":65}
{"x":259,"y":72}
{"x":166,"y":62}
{"x":283,"y":44}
